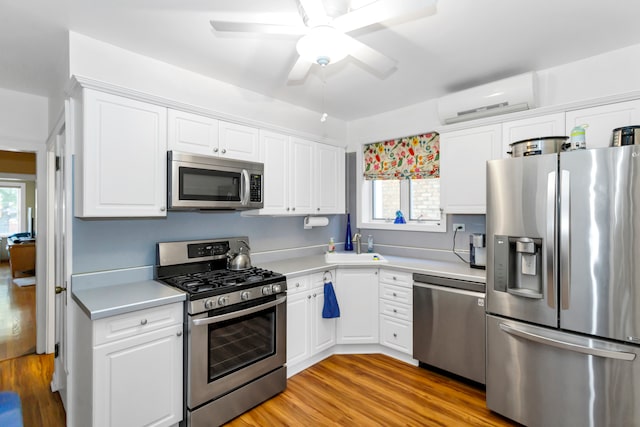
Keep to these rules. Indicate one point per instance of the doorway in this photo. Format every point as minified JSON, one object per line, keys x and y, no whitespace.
{"x":17,"y":254}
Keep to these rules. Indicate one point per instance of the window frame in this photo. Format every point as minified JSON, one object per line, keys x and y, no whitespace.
{"x":23,"y":203}
{"x":364,"y":195}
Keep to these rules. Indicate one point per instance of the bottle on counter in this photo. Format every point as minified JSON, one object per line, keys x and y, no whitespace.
{"x":332,"y":245}
{"x":370,"y":243}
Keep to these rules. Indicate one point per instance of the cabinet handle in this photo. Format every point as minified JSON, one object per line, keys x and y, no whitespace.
{"x":224,"y":150}
{"x":375,"y":273}
{"x":293,"y":209}
{"x":309,"y":297}
{"x":395,"y":310}
{"x":288,"y":209}
{"x":297,"y":284}
{"x":162,"y":208}
{"x":314,"y":295}
{"x":215,"y":150}
{"x":143,"y":322}
{"x":394,"y":278}
{"x":318,"y":209}
{"x":179,"y":333}
{"x":395,"y":295}
{"x":395,"y":335}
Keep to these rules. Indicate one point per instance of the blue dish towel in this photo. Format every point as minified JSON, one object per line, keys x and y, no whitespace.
{"x":331,"y":308}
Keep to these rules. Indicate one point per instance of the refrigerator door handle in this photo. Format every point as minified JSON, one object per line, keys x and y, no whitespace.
{"x":563,"y":345}
{"x":552,"y":264}
{"x":565,"y":238}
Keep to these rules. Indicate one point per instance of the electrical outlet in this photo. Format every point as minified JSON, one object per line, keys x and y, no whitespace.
{"x":459,"y":227}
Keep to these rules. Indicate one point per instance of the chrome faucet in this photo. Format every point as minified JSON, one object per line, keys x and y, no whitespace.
{"x":357,"y":239}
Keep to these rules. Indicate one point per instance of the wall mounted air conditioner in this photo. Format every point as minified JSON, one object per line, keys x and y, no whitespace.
{"x":515,"y":93}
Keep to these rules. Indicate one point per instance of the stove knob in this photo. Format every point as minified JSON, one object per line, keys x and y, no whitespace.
{"x":266,"y":290}
{"x":208,"y":304}
{"x":223,"y":301}
{"x":277,"y":289}
{"x":245,"y":295}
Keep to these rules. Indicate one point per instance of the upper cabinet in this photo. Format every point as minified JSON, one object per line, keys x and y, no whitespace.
{"x":196,"y":134}
{"x":533,"y":127}
{"x":120,"y":156}
{"x":301,"y":177}
{"x":602,"y":120}
{"x":463,"y":158}
{"x":330,"y":179}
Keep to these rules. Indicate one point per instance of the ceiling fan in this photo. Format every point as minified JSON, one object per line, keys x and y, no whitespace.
{"x":324,"y":31}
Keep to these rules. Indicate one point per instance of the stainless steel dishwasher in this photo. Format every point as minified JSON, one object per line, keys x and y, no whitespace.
{"x":449,"y":325}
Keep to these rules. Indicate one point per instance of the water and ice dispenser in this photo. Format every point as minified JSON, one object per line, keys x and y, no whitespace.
{"x":518,"y":266}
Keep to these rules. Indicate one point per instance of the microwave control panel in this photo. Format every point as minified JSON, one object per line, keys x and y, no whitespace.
{"x":255,"y":186}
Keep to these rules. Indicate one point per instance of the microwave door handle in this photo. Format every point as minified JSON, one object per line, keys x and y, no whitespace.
{"x":244,"y":187}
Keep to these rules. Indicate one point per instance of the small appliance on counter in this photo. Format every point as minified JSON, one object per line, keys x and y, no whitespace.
{"x":478,"y":251}
{"x":627,"y":135}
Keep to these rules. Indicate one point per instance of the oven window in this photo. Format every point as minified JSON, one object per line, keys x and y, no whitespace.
{"x":203,"y":184}
{"x":240,"y":342}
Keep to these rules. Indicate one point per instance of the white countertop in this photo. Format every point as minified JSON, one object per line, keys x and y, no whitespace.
{"x":105,"y":301}
{"x":311,"y":264}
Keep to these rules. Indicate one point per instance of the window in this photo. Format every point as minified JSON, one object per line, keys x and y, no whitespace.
{"x":12,"y":208}
{"x":402,"y":175}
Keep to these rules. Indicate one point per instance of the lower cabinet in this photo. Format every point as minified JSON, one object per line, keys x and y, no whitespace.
{"x":308,"y":333}
{"x":396,"y":310}
{"x":131,"y":368}
{"x":357,"y":294}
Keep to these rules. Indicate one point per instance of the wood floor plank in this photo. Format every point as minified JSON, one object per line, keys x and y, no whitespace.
{"x":373,"y":390}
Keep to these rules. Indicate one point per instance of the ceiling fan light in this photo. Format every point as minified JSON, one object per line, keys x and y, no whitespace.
{"x":322,"y":45}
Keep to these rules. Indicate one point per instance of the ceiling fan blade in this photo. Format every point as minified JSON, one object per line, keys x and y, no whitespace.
{"x":250,"y":27}
{"x":299,"y":70}
{"x":379,"y":11}
{"x":378,"y":62}
{"x":313,"y":12}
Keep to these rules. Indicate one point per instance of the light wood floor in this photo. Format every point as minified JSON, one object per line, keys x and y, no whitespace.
{"x":17,"y":317}
{"x":373,"y":390}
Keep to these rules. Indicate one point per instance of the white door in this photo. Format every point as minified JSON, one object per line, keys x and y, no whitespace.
{"x":57,"y":255}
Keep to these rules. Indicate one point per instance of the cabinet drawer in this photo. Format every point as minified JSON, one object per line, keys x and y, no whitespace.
{"x":398,"y":311}
{"x":399,"y":278}
{"x":298,"y":284}
{"x":397,"y":334}
{"x":137,"y":322}
{"x":396,"y":293}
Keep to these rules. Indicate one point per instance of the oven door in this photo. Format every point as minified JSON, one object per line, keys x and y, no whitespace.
{"x":229,"y":350}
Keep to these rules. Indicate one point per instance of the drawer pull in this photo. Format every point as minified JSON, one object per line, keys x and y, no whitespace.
{"x":297,"y":284}
{"x":143,"y":322}
{"x":395,"y":335}
{"x":394,"y":278}
{"x":395,"y":295}
{"x":395,"y":310}
{"x":179,"y":333}
{"x":308,"y":296}
{"x":314,"y":295}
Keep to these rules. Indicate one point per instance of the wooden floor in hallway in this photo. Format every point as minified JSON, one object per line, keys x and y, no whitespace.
{"x":17,"y":316}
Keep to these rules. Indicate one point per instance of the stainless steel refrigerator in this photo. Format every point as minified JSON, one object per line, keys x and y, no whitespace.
{"x":563,"y":288}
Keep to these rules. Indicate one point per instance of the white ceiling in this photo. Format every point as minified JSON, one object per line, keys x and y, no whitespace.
{"x":467,"y":42}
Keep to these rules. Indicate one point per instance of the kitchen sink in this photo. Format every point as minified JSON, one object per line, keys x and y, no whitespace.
{"x":354,"y":258}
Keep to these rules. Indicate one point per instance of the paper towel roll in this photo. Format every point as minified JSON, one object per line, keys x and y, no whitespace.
{"x":315,"y":221}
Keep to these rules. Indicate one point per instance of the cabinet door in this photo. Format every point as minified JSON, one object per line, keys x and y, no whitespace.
{"x":357,"y":293}
{"x":534,"y":127}
{"x":602,"y":120}
{"x":298,"y":328}
{"x":330,"y":179}
{"x":138,"y":380}
{"x":192,"y":133}
{"x":301,"y":176}
{"x":323,"y":333}
{"x":274,"y":153}
{"x":239,"y":142}
{"x":463,"y":160}
{"x":121,"y":160}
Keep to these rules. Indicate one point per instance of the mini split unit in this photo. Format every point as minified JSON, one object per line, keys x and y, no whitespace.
{"x":503,"y":96}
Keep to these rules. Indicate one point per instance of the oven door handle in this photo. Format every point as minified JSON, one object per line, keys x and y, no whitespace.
{"x":236,"y":314}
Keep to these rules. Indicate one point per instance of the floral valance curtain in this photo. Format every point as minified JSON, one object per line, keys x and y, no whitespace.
{"x":403,"y":158}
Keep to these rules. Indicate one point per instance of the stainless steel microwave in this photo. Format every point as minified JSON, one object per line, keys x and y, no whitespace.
{"x":202,"y":182}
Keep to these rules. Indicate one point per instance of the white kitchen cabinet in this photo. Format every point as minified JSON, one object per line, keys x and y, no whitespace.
{"x":329,"y":179}
{"x":602,"y":120}
{"x":120,"y":156}
{"x":357,"y":294}
{"x":533,"y":127}
{"x":288,"y":175}
{"x":196,"y":134}
{"x":463,"y":158}
{"x":396,"y":310}
{"x":239,"y":142}
{"x":308,"y":333}
{"x":192,"y":133}
{"x":131,"y":371}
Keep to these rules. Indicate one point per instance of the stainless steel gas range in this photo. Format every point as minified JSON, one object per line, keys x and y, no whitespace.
{"x":235,"y":348}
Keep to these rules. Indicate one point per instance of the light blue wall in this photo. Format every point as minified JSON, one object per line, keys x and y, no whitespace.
{"x":120,"y":243}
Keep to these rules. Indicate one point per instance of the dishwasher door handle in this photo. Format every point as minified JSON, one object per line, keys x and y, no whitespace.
{"x":446,"y":289}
